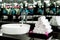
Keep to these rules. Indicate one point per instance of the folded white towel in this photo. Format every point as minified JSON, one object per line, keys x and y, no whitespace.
{"x":42,"y":26}
{"x":55,"y":21}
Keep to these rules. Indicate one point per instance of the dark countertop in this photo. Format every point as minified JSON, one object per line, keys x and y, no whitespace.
{"x":6,"y":38}
{"x":55,"y":33}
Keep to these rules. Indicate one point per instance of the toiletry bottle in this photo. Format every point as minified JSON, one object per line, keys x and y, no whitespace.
{"x":46,"y":7}
{"x":53,"y":8}
{"x":30,"y":9}
{"x":35,"y":12}
{"x":12,"y":12}
{"x":40,"y":9}
{"x":17,"y":13}
{"x":58,"y":7}
{"x":5,"y":12}
{"x":58,"y":10}
{"x":16,"y":9}
{"x":1,"y":13}
{"x":20,"y":11}
{"x":8,"y":10}
{"x":25,"y":6}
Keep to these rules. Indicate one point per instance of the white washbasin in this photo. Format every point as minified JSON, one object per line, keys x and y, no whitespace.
{"x":15,"y":29}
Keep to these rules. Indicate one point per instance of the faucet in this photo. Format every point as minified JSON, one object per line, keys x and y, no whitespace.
{"x":23,"y":16}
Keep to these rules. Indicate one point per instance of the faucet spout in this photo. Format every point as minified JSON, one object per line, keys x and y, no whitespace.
{"x":23,"y":17}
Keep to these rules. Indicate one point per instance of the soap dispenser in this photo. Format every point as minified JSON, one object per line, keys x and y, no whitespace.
{"x":53,"y":8}
{"x":46,"y":7}
{"x":16,"y":11}
{"x":40,"y":9}
{"x":47,"y":3}
{"x":58,"y":7}
{"x":58,"y":11}
{"x":30,"y":9}
{"x":1,"y":13}
{"x":5,"y":12}
{"x":4,"y":16}
{"x":13,"y":11}
{"x":57,"y":3}
{"x":8,"y":10}
{"x":11,"y":14}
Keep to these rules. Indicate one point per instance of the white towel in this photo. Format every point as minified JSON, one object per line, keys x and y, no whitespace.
{"x":55,"y":21}
{"x":42,"y":26}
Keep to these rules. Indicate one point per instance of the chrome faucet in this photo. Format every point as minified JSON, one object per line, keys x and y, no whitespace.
{"x":23,"y":17}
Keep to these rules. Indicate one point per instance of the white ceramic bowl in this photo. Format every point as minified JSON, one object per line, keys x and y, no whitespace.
{"x":15,"y":29}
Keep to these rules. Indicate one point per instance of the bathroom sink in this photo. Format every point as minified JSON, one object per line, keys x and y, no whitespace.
{"x":15,"y":29}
